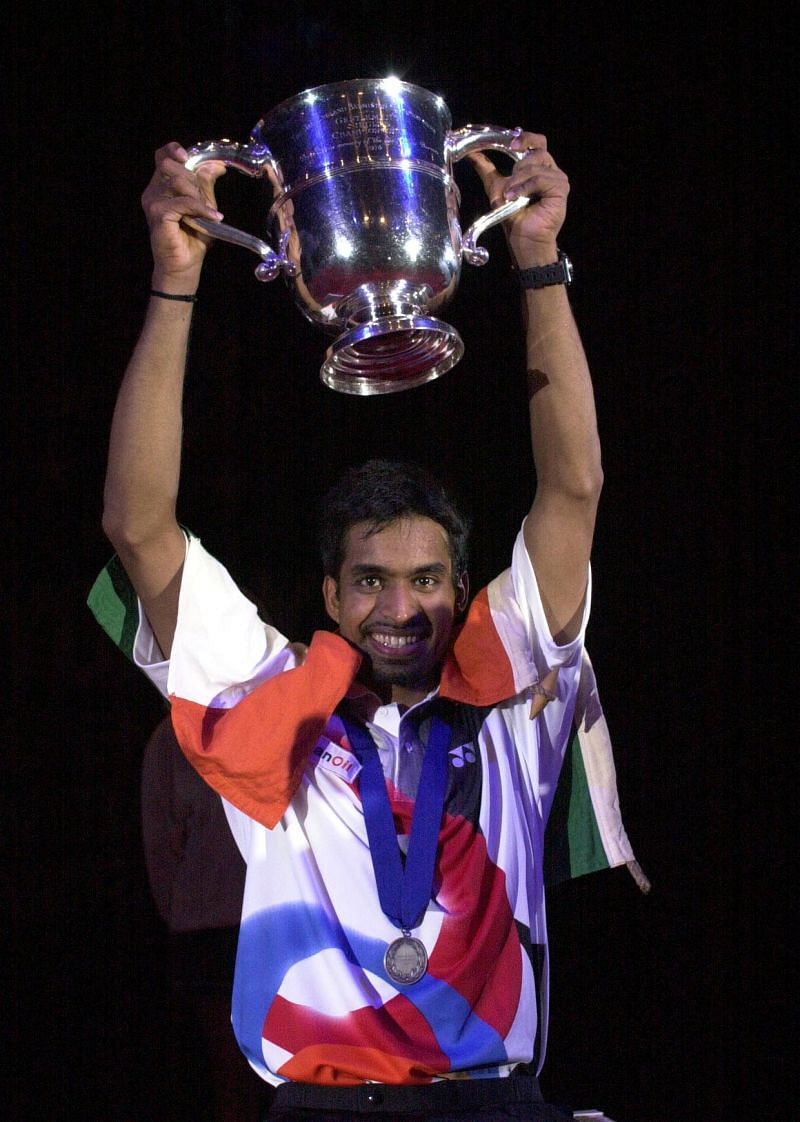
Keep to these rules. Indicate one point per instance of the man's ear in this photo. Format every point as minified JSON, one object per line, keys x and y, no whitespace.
{"x":462,"y":593}
{"x":330,"y":594}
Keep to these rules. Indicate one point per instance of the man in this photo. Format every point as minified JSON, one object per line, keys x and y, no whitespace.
{"x":390,"y":793}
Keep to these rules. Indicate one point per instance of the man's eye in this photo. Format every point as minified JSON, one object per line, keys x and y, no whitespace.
{"x":426,"y":582}
{"x":369,"y":582}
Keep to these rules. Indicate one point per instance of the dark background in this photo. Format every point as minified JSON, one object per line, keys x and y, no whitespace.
{"x":675,"y":131}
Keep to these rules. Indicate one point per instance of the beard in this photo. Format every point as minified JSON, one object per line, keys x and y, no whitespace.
{"x":409,"y":676}
{"x":415,"y":674}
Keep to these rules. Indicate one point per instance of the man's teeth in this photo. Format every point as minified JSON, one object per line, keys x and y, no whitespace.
{"x":394,"y":640}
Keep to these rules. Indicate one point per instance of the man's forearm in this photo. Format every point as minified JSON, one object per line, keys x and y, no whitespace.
{"x":566,"y":452}
{"x":566,"y":446}
{"x":145,"y":447}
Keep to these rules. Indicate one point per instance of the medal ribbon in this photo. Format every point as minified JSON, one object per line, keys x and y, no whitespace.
{"x":403,"y":893}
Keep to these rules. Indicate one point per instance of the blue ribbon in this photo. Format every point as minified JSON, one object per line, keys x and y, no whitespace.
{"x":404,"y":894}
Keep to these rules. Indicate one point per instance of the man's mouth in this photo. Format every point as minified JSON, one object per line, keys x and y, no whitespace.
{"x":395,"y":640}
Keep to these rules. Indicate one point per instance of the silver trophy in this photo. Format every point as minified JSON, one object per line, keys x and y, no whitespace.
{"x":364,"y":222}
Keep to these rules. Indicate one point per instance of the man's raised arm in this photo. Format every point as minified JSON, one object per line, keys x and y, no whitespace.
{"x":566,"y":447}
{"x":145,"y":448}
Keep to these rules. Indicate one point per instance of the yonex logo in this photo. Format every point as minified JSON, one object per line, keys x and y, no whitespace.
{"x":464,"y":754}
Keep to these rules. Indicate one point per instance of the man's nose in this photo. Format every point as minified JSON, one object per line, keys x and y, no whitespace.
{"x":398,"y":603}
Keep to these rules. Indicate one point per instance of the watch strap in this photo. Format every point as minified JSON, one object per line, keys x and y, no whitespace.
{"x":542,"y":276}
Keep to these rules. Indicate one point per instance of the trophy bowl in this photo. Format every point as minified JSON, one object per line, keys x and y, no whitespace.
{"x":363,"y":222}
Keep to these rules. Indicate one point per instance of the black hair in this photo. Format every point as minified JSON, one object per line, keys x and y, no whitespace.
{"x":379,"y":492}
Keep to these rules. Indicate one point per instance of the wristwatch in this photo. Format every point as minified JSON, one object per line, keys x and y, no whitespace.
{"x":541,"y":276}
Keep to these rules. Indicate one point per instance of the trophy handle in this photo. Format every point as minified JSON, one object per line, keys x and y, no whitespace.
{"x":257,"y":161}
{"x":479,"y":138}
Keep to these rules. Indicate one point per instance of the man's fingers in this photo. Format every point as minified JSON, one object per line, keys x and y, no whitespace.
{"x":299,"y":650}
{"x":172,"y":176}
{"x":207,"y":176}
{"x":536,"y":180}
{"x":171,"y":151}
{"x":483,"y":165}
{"x":171,"y":181}
{"x":489,"y":176}
{"x":528,"y":176}
{"x":528,"y":141}
{"x":173,"y":208}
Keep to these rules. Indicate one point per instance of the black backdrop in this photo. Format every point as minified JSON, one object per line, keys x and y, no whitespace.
{"x":674,"y":129}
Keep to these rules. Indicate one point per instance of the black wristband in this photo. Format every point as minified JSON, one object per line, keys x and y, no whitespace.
{"x":541,"y":276}
{"x":173,"y":296}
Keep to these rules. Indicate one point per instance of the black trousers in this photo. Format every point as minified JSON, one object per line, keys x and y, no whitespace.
{"x":462,"y":1100}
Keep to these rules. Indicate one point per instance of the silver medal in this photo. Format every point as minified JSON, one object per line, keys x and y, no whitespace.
{"x":406,"y":960}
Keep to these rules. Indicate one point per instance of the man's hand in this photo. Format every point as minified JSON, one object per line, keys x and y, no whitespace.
{"x":531,"y":232}
{"x":300,"y":651}
{"x":172,"y":195}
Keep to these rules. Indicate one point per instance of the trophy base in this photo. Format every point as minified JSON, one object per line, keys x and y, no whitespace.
{"x":390,"y":354}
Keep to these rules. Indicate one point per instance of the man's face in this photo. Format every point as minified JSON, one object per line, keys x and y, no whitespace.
{"x":395,"y":600}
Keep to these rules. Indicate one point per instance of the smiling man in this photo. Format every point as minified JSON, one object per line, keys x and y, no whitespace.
{"x":389,"y":790}
{"x":392,"y":582}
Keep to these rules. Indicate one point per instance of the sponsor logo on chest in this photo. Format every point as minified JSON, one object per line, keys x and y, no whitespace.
{"x":463,"y":755}
{"x":335,"y":759}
